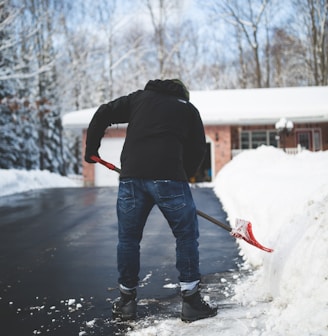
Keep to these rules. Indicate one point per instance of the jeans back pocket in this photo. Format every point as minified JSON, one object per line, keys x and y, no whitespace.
{"x":170,"y":194}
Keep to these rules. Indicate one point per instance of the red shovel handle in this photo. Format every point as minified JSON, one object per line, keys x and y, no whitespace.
{"x":105,"y":163}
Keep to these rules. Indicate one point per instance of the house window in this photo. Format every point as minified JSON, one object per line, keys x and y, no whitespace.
{"x":254,"y":139}
{"x":245,"y":140}
{"x":304,"y":139}
{"x":316,"y":140}
{"x":309,"y":139}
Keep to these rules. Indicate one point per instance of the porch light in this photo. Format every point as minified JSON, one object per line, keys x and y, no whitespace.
{"x":284,"y":127}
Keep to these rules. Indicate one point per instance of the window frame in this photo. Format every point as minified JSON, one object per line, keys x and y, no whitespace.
{"x":246,"y":139}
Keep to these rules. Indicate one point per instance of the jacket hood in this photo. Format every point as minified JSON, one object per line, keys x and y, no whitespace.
{"x":173,"y":87}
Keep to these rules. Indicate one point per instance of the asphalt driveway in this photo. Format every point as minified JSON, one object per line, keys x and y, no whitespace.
{"x":58,"y":260}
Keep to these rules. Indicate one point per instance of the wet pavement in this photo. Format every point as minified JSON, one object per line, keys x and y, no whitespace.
{"x":58,"y":261}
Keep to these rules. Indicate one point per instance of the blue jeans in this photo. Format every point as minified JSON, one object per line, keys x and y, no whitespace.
{"x":136,"y":198}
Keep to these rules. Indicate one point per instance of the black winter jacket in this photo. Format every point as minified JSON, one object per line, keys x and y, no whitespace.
{"x":165,"y":135}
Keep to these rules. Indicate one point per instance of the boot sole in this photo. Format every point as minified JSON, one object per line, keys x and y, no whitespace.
{"x":196,"y":318}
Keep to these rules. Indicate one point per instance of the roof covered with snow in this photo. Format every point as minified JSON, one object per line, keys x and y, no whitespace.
{"x":244,"y":106}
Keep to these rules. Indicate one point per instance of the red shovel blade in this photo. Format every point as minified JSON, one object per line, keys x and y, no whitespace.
{"x":244,"y":231}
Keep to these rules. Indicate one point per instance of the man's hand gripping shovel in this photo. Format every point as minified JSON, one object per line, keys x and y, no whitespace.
{"x":243,"y":229}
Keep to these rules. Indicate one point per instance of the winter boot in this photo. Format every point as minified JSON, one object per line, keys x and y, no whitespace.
{"x":125,"y":307}
{"x":194,"y":307}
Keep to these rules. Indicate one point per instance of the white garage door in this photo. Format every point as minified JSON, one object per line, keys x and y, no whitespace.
{"x":110,"y":150}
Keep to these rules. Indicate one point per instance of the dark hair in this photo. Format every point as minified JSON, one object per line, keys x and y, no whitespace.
{"x":180,"y":82}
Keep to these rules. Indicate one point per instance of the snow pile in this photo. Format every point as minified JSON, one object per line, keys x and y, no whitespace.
{"x":15,"y":181}
{"x":286,"y":199}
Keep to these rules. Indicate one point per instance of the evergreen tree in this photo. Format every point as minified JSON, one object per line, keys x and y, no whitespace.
{"x":29,"y":137}
{"x":9,"y":146}
{"x":72,"y":152}
{"x":6,"y":41}
{"x":50,"y":139}
{"x":18,"y":137}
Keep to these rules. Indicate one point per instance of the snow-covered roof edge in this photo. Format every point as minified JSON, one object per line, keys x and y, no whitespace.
{"x":244,"y":106}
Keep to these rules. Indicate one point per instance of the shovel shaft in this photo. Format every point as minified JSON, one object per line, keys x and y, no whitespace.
{"x":214,"y":221}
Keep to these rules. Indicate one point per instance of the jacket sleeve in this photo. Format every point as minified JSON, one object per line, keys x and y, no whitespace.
{"x":195,"y":146}
{"x":114,"y":112}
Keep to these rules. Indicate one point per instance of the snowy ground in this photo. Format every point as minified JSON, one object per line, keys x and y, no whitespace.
{"x":15,"y":181}
{"x":286,"y":199}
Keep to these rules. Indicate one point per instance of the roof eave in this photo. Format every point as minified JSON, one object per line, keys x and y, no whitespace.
{"x":266,"y":121}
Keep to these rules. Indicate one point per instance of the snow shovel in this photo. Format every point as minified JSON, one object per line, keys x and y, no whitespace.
{"x":243,"y":229}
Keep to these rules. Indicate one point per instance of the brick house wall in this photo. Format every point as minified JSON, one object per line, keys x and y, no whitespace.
{"x":324,"y":134}
{"x":220,"y":136}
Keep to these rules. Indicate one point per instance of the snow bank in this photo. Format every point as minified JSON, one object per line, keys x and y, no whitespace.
{"x":286,"y":199}
{"x":15,"y":181}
